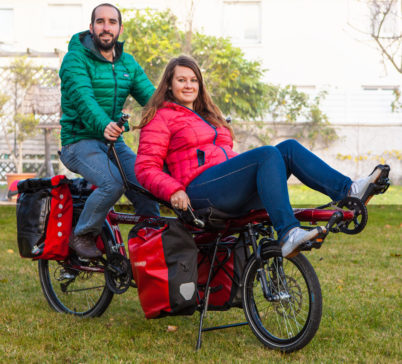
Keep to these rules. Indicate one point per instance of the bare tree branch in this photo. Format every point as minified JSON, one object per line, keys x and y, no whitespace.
{"x":388,"y":55}
{"x":383,"y":12}
{"x":385,"y":32}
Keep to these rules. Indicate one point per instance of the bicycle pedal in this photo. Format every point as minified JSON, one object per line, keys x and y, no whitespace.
{"x":308,"y":245}
{"x":317,"y":244}
{"x":381,"y":186}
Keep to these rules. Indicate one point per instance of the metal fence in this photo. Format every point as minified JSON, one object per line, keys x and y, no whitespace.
{"x":41,"y":97}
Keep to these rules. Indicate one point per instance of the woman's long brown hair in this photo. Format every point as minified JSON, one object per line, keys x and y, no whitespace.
{"x":203,"y":104}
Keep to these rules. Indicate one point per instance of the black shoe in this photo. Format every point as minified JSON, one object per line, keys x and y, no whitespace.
{"x":377,"y":182}
{"x":85,"y":246}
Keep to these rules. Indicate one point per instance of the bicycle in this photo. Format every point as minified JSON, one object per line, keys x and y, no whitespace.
{"x":281,"y":297}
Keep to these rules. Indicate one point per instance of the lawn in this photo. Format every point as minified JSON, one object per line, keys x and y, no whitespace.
{"x":360,"y":279}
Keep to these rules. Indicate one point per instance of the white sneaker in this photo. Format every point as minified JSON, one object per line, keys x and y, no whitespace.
{"x":297,"y":236}
{"x":362,"y":188}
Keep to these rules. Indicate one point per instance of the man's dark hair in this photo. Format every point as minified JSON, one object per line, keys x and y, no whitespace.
{"x":105,"y":4}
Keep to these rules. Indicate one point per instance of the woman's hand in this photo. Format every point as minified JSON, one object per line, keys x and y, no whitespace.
{"x":112,"y":131}
{"x":180,"y":200}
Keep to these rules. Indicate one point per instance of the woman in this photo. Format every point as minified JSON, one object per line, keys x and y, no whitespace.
{"x":182,"y":128}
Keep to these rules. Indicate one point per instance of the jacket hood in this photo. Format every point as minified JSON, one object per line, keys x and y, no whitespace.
{"x":83,"y":42}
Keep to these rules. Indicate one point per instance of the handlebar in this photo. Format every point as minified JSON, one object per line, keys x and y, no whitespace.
{"x":123,"y":119}
{"x":189,"y":217}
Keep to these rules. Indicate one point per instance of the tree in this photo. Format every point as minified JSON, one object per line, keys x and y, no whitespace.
{"x":153,"y":38}
{"x":386,"y":29}
{"x":383,"y":27}
{"x":22,"y":125}
{"x":381,"y":24}
{"x":234,"y":82}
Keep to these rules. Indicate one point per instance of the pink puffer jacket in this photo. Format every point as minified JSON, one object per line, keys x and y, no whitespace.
{"x":186,"y":142}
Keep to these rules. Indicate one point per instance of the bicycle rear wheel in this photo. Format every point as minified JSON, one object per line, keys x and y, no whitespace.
{"x":70,"y":290}
{"x":288,"y":319}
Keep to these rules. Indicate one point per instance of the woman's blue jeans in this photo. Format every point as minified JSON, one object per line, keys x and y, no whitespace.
{"x":89,"y":159}
{"x":258,"y":179}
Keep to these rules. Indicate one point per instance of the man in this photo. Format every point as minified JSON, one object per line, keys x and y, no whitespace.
{"x":96,"y":78}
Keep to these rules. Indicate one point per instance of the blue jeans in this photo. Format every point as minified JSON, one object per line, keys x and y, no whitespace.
{"x":258,"y":179}
{"x":89,"y":159}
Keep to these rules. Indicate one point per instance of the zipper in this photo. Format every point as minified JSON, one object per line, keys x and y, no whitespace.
{"x":212,"y":126}
{"x":115,"y":91}
{"x":200,"y":157}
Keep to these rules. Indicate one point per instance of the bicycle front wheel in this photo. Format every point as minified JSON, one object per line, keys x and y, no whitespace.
{"x":70,"y":290}
{"x":288,"y":316}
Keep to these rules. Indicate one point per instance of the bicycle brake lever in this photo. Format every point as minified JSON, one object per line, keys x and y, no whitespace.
{"x":196,"y":221}
{"x":189,"y":217}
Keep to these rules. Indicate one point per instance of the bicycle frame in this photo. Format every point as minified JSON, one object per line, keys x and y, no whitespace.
{"x":243,"y":247}
{"x":231,"y":225}
{"x":255,"y":227}
{"x":244,"y":224}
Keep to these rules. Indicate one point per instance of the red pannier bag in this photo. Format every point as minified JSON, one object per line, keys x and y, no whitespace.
{"x":163,"y":258}
{"x":227,"y":273}
{"x":44,"y":218}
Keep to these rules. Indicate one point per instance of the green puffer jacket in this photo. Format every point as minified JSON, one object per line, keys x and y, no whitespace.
{"x":93,"y":90}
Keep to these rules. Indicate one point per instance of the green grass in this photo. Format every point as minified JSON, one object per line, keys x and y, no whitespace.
{"x":302,"y":195}
{"x":361,"y":284}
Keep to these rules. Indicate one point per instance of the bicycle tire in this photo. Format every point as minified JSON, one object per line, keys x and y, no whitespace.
{"x":85,"y":295}
{"x":290,"y":320}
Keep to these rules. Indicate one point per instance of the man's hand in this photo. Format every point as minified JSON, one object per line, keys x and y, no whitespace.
{"x":112,"y":131}
{"x":180,"y":200}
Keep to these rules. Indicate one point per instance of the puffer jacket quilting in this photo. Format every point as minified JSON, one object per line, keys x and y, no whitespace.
{"x":186,"y":142}
{"x":94,"y":90}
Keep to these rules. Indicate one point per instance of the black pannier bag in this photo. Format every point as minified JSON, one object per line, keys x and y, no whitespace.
{"x":80,"y":190}
{"x":163,"y":258}
{"x":44,"y":217}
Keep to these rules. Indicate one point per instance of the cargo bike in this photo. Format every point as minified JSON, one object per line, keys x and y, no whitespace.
{"x":239,"y":261}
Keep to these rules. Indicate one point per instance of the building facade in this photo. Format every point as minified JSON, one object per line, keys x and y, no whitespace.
{"x":314,"y":44}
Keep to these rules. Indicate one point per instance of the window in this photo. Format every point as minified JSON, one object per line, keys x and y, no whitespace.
{"x":64,"y":19}
{"x":6,"y":25}
{"x":242,"y":21}
{"x":380,"y":87}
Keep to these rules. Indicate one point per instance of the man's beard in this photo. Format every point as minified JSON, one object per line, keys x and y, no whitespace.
{"x":102,"y":45}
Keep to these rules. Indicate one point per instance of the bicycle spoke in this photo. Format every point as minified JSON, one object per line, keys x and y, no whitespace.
{"x":284,"y":314}
{"x":84,"y":289}
{"x":83,"y":294}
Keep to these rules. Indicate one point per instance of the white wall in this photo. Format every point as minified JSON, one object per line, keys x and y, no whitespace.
{"x":303,"y":42}
{"x":307,"y":42}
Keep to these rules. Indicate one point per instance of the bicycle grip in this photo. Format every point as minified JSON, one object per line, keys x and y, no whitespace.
{"x":123,"y":119}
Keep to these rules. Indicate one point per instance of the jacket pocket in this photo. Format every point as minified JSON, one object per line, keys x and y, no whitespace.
{"x":200,"y":157}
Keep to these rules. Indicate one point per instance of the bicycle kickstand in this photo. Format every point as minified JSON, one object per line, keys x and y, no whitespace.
{"x":206,"y":296}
